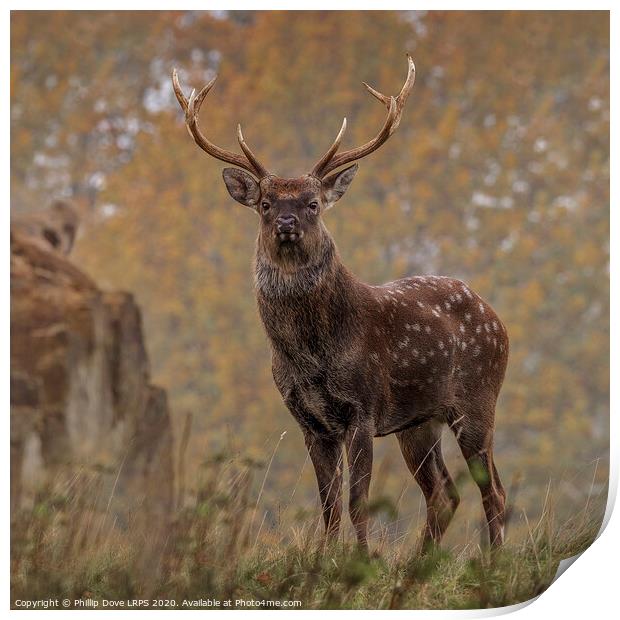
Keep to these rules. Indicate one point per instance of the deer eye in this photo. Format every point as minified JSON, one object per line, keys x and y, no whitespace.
{"x":313,"y":206}
{"x":266,"y":206}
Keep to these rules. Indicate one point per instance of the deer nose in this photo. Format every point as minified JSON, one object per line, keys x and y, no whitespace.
{"x":287,"y":223}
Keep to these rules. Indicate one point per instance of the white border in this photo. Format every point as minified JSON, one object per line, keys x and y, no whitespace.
{"x":588,"y":587}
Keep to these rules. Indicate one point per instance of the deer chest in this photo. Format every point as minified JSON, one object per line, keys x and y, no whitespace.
{"x":320,"y":405}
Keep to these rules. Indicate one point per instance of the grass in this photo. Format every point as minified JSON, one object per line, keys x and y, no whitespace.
{"x":215,"y":548}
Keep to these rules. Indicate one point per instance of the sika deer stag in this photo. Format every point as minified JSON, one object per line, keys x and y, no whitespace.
{"x":354,"y":361}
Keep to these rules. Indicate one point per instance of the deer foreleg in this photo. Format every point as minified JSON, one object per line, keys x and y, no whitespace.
{"x":359,"y":456}
{"x":326,"y":456}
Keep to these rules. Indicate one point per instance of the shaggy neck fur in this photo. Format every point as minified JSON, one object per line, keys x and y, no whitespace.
{"x":294,"y":272}
{"x":308,"y":313}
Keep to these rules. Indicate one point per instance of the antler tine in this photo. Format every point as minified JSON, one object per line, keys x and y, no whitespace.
{"x":316,"y":171}
{"x":404,"y":91}
{"x":191,"y":107}
{"x":330,"y":161}
{"x":203,"y":93}
{"x":181,"y":98}
{"x":375,"y":93}
{"x":409,"y":82}
{"x":248,"y":153}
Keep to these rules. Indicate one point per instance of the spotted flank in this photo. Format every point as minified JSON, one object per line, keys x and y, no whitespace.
{"x":435,"y":319}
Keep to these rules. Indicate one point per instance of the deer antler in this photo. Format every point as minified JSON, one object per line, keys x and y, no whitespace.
{"x":191,"y":107}
{"x":330,"y":161}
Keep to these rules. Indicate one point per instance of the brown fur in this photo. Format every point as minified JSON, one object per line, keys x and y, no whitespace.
{"x":354,"y":361}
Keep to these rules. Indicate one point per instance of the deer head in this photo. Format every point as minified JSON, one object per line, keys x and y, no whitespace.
{"x":292,"y":232}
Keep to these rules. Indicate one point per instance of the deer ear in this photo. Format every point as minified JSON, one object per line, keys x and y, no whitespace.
{"x":242,"y":186}
{"x":335,"y":185}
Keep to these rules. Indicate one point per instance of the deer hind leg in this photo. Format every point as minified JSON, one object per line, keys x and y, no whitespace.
{"x":358,"y":443}
{"x":475,"y":438}
{"x":326,"y":456}
{"x":421,"y":448}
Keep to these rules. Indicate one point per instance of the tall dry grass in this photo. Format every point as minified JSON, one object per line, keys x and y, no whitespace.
{"x":217,"y":546}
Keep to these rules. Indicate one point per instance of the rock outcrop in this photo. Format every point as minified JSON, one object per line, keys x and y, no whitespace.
{"x":81,"y":396}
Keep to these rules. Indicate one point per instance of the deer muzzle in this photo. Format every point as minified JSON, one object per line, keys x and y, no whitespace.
{"x":290,"y":236}
{"x":287,"y":228}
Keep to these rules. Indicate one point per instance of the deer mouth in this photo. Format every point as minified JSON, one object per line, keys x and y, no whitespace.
{"x":289,"y":237}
